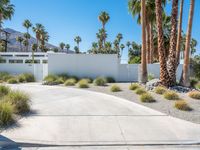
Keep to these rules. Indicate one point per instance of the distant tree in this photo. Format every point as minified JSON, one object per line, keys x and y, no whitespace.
{"x":78,"y":39}
{"x":27,"y":24}
{"x":34,"y":48}
{"x":27,"y":36}
{"x":128,"y":44}
{"x":20,"y":40}
{"x":62,"y":46}
{"x":76,"y":49}
{"x":67,"y":46}
{"x":38,"y":30}
{"x":122,"y":46}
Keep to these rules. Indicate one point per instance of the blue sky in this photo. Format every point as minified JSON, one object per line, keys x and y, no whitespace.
{"x":65,"y":19}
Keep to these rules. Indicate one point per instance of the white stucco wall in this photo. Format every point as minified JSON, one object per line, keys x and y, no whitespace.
{"x":83,"y":65}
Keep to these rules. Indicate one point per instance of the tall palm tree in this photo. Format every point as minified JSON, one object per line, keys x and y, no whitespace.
{"x":6,"y":11}
{"x":38,"y":30}
{"x":178,"y":46}
{"x":122,"y":46}
{"x":78,"y":39}
{"x":128,"y":44}
{"x":27,"y":36}
{"x":185,"y":77}
{"x":104,"y":18}
{"x":67,"y":46}
{"x":164,"y":76}
{"x":119,"y":37}
{"x":62,"y":46}
{"x":44,"y":37}
{"x":143,"y":78}
{"x":76,"y":49}
{"x":173,"y":41}
{"x":34,"y":48}
{"x":20,"y":40}
{"x":27,"y":24}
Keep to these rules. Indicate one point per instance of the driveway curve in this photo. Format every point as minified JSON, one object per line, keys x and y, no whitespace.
{"x":70,"y":116}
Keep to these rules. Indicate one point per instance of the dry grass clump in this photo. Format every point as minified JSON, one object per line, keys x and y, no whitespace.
{"x":160,"y":90}
{"x":194,"y":94}
{"x":182,"y":105}
{"x":6,"y":113}
{"x":100,"y":81}
{"x":70,"y":82}
{"x":83,"y":83}
{"x":140,"y":91}
{"x":134,"y":86}
{"x":115,"y":88}
{"x":147,"y":98}
{"x":171,"y":95}
{"x":4,"y":90}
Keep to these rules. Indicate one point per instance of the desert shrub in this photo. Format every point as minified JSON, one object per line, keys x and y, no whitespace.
{"x":21,"y":79}
{"x":193,"y":82}
{"x":182,"y":105}
{"x":20,"y":101}
{"x":115,"y":88}
{"x":160,"y":90}
{"x":83,"y":83}
{"x":28,"y":77}
{"x":196,"y":66}
{"x":100,"y":81}
{"x":4,"y":90}
{"x":197,"y":86}
{"x":194,"y":94}
{"x":74,"y":77}
{"x":6,"y":113}
{"x":60,"y":80}
{"x":63,"y":76}
{"x":140,"y":91}
{"x":171,"y":95}
{"x":110,"y":80}
{"x":51,"y":80}
{"x":89,"y":80}
{"x":4,"y":76}
{"x":70,"y":82}
{"x":147,"y":98}
{"x":134,"y":86}
{"x":150,"y":77}
{"x":12,"y":81}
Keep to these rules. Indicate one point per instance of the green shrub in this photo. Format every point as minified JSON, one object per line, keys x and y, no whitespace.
{"x":115,"y":88}
{"x":110,"y":80}
{"x":197,"y":86}
{"x":140,"y":91}
{"x":70,"y":82}
{"x":160,"y":90}
{"x":89,"y":80}
{"x":51,"y":80}
{"x":100,"y":81}
{"x":182,"y":105}
{"x":171,"y":95}
{"x":60,"y":80}
{"x":4,"y":90}
{"x":147,"y":98}
{"x":193,"y":82}
{"x":20,"y":101}
{"x":4,"y":76}
{"x":83,"y":83}
{"x":21,"y":79}
{"x":63,"y":76}
{"x":74,"y":77}
{"x":134,"y":86}
{"x":6,"y":113}
{"x":150,"y":77}
{"x":194,"y":94}
{"x":12,"y":81}
{"x":28,"y":77}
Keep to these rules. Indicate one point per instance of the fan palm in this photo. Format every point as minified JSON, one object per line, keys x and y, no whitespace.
{"x":104,"y":18}
{"x":20,"y":40}
{"x":62,"y":46}
{"x":38,"y":30}
{"x":27,"y":24}
{"x":27,"y":36}
{"x":67,"y":46}
{"x":34,"y":48}
{"x":77,"y":39}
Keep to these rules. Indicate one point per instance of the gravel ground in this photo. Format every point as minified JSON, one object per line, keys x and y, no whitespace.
{"x":161,"y":104}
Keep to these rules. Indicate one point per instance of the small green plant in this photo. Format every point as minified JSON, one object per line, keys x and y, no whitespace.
{"x":115,"y":88}
{"x":63,"y":76}
{"x":110,"y":80}
{"x":160,"y":90}
{"x":171,"y":95}
{"x":193,"y":82}
{"x":12,"y":81}
{"x":134,"y":86}
{"x":100,"y":81}
{"x":28,"y":77}
{"x":70,"y":82}
{"x":182,"y":105}
{"x":4,"y":76}
{"x":151,"y":77}
{"x":147,"y":98}
{"x":89,"y":80}
{"x":20,"y":101}
{"x":4,"y":90}
{"x":51,"y":80}
{"x":197,"y":86}
{"x":194,"y":94}
{"x":6,"y":113}
{"x":60,"y":80}
{"x":140,"y":91}
{"x":83,"y":83}
{"x":21,"y":79}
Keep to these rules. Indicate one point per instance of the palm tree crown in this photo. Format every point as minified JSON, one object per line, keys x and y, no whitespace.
{"x":104,"y":18}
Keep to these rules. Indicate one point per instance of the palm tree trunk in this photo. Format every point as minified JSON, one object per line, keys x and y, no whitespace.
{"x":148,"y":42}
{"x":179,"y":33}
{"x":151,"y":43}
{"x":0,"y":24}
{"x":173,"y":39}
{"x":164,"y":76}
{"x":143,"y":61}
{"x":185,"y":78}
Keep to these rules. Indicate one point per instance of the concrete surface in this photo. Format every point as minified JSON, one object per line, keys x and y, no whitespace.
{"x":74,"y":117}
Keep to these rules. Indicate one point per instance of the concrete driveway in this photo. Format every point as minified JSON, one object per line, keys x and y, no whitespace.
{"x":74,"y":117}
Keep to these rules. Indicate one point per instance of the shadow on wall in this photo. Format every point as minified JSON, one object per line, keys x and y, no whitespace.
{"x":6,"y":143}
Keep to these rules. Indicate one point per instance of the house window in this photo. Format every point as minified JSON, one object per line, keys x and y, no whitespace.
{"x":16,"y":61}
{"x":45,"y":61}
{"x":2,"y":61}
{"x":29,"y":61}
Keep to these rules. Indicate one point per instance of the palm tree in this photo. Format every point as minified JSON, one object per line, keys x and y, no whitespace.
{"x":119,"y":37}
{"x":62,"y":46}
{"x":34,"y":48}
{"x":76,"y":49}
{"x":128,"y":44}
{"x":185,"y":77}
{"x":25,"y":42}
{"x":6,"y":11}
{"x":27,"y":36}
{"x":20,"y":40}
{"x":122,"y":46}
{"x":44,"y":37}
{"x":38,"y":29}
{"x":104,"y":18}
{"x":164,"y":76}
{"x":67,"y":46}
{"x":173,"y":40}
{"x":27,"y":24}
{"x":77,"y":39}
{"x":178,"y":46}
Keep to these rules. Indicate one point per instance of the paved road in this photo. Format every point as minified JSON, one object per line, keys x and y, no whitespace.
{"x":74,"y":117}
